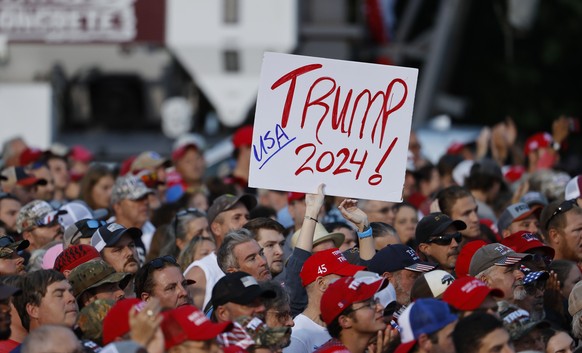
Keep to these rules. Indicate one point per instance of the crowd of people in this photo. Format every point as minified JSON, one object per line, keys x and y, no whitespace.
{"x":483,"y":255}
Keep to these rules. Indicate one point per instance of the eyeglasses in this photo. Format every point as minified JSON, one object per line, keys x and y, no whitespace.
{"x":188,"y":211}
{"x":370,"y":303}
{"x":6,"y":195}
{"x":547,"y":260}
{"x":446,"y":239}
{"x":563,"y":208}
{"x":151,"y":180}
{"x":159,"y":262}
{"x":90,"y":224}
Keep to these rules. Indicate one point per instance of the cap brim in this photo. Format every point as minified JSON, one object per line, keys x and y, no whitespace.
{"x":533,"y":210}
{"x":513,"y":259}
{"x":421,"y":267}
{"x":30,"y":181}
{"x":100,"y":214}
{"x":248,"y":200}
{"x":132,"y":232}
{"x":8,"y":291}
{"x":405,"y":347}
{"x":21,"y":245}
{"x":209,"y":330}
{"x":115,"y":277}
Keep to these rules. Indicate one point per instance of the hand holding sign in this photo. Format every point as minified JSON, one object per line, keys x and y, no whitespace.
{"x":344,"y":122}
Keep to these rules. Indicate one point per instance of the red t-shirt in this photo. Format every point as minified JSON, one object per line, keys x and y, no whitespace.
{"x":8,"y":345}
{"x":332,"y":346}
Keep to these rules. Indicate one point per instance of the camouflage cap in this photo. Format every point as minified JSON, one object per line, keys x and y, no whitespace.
{"x":8,"y":246}
{"x":517,"y":321}
{"x":129,"y":187}
{"x":264,"y":336}
{"x":91,"y":319}
{"x":36,"y":213}
{"x":92,"y":274}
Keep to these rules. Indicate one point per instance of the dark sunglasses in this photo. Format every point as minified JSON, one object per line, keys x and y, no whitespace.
{"x":159,"y":262}
{"x":188,"y":211}
{"x":446,"y":239}
{"x":563,"y":208}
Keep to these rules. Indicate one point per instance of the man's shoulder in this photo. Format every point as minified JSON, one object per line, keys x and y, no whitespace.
{"x":333,"y":346}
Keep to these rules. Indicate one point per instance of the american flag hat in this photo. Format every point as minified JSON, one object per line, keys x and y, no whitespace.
{"x":494,"y":254}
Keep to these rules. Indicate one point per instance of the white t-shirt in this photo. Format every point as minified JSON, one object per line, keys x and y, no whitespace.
{"x":209,"y":265}
{"x":306,"y":336}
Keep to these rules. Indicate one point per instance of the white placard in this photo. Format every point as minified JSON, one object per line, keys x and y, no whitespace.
{"x":342,"y":123}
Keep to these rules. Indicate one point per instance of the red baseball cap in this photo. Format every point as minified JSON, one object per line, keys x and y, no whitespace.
{"x":243,"y":136}
{"x":30,"y":155}
{"x":537,"y":141}
{"x":81,"y":154}
{"x":187,"y":323}
{"x":465,"y":256}
{"x":116,"y":322}
{"x":326,"y":262}
{"x":294,"y":196}
{"x":523,"y":241}
{"x":345,"y":292}
{"x":468,"y":293}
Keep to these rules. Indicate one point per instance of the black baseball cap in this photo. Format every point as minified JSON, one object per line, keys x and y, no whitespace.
{"x":110,"y":234}
{"x":240,"y":288}
{"x":398,"y":257}
{"x":435,"y":224}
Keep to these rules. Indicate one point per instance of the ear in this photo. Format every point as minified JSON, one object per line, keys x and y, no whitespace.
{"x":424,"y":343}
{"x":215,"y":228}
{"x":344,"y":321}
{"x":505,"y":233}
{"x":27,"y":235}
{"x":221,"y":313}
{"x":32,"y":311}
{"x":388,"y":275}
{"x":145,"y":296}
{"x":231,"y":270}
{"x":424,"y":248}
{"x":553,"y":237}
{"x":322,"y":283}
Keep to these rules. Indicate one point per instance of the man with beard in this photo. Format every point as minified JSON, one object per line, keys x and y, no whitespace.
{"x":352,"y":315}
{"x":269,"y":234}
{"x":11,"y":263}
{"x":438,"y":239}
{"x":129,"y":201}
{"x":94,"y":280}
{"x":162,"y":278}
{"x":401,"y":266}
{"x":39,"y":223}
{"x":498,"y":266}
{"x":561,"y":223}
{"x":9,"y":207}
{"x":116,"y":244}
{"x":534,"y":284}
{"x":47,"y":298}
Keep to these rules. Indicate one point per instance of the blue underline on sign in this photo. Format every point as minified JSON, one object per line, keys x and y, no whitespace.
{"x":273,"y":155}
